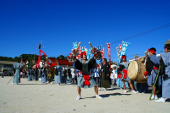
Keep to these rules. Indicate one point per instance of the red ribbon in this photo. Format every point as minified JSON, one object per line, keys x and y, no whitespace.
{"x":146,"y":73}
{"x":120,"y":75}
{"x":86,"y":80}
{"x":125,"y":73}
{"x":155,"y":68}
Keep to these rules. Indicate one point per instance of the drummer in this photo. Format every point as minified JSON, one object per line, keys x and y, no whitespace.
{"x":122,"y":71}
{"x":165,"y":67}
{"x":152,"y":65}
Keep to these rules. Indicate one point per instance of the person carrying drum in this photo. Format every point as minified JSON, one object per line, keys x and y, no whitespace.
{"x":122,"y":73}
{"x":152,"y":65}
{"x":165,"y":67}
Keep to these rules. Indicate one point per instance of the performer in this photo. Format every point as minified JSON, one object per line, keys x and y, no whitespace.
{"x":58,"y":74}
{"x":119,"y":81}
{"x":49,"y":74}
{"x":44,"y":75}
{"x":31,"y":74}
{"x":85,"y":79}
{"x":63,"y":75}
{"x":165,"y":67}
{"x":122,"y":71}
{"x":105,"y":75}
{"x":39,"y":72}
{"x":68,"y":74}
{"x":18,"y":67}
{"x":152,"y":65}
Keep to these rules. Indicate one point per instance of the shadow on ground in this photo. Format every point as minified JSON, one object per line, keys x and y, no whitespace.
{"x":108,"y":95}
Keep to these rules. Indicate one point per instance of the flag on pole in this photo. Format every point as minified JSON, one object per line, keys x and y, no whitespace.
{"x":123,"y":51}
{"x":109,"y":55}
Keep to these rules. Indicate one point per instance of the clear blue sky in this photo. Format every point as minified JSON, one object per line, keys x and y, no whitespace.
{"x":59,"y":23}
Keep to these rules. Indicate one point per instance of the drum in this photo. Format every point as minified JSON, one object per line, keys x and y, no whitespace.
{"x":136,"y":71}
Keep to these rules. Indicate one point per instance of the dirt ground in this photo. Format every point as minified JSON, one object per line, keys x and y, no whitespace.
{"x":36,"y":97}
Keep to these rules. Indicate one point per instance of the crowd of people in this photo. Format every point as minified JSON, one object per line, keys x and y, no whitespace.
{"x":86,"y":74}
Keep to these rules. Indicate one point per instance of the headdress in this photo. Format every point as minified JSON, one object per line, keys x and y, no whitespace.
{"x":152,"y":50}
{"x":123,"y":56}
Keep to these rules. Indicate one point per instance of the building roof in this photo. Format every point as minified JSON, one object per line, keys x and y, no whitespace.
{"x":61,"y":61}
{"x":7,"y":62}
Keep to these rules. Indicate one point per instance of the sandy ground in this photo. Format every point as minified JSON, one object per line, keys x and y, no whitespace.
{"x":35,"y":97}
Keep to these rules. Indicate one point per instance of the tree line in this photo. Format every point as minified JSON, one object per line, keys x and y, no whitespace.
{"x":29,"y":57}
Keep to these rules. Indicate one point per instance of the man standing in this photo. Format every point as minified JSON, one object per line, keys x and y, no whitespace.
{"x":44,"y":75}
{"x":105,"y":75}
{"x":18,"y":67}
{"x":68,"y":74}
{"x":152,"y":65}
{"x":58,"y":74}
{"x":165,"y":67}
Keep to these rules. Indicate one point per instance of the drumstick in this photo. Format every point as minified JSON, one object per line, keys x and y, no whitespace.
{"x":78,"y":46}
{"x":155,"y":82}
{"x":90,"y":44}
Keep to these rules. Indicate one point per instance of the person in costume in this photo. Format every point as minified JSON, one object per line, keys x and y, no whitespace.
{"x":165,"y":72}
{"x":18,"y":67}
{"x":152,"y":65}
{"x":105,"y":75}
{"x":39,"y":73}
{"x":119,"y":81}
{"x":49,"y":71}
{"x":58,"y":74}
{"x":68,"y":74}
{"x":31,"y":74}
{"x":122,"y":73}
{"x":85,"y":79}
{"x":44,"y":74}
{"x":63,"y":75}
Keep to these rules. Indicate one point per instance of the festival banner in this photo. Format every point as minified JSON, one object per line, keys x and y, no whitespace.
{"x":109,"y":56}
{"x":123,"y":51}
{"x":88,"y":54}
{"x":75,"y":45}
{"x":100,"y":49}
{"x":120,"y":47}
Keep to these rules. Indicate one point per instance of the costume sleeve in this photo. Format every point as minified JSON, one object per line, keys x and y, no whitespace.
{"x":149,"y":66}
{"x":78,"y":65}
{"x":92,"y":64}
{"x":108,"y":69}
{"x":120,"y":68}
{"x":162,"y":71}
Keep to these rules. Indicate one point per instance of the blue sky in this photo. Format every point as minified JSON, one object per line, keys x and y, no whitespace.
{"x":59,"y":23}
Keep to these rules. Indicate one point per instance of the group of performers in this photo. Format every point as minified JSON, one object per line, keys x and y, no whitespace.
{"x":45,"y":74}
{"x":85,"y":66}
{"x":154,"y":75}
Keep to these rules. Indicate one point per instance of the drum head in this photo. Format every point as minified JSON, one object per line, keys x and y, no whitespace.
{"x":133,"y":70}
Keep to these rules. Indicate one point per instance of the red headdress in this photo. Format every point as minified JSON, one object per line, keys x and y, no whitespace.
{"x":123,"y":56}
{"x":152,"y":50}
{"x":83,"y":53}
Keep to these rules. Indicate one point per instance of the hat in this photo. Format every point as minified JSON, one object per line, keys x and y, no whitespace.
{"x":167,"y":42}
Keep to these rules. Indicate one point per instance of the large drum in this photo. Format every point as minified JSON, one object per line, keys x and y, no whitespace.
{"x":136,"y":71}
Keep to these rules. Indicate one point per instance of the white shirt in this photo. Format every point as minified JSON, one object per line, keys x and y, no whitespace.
{"x":113,"y":74}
